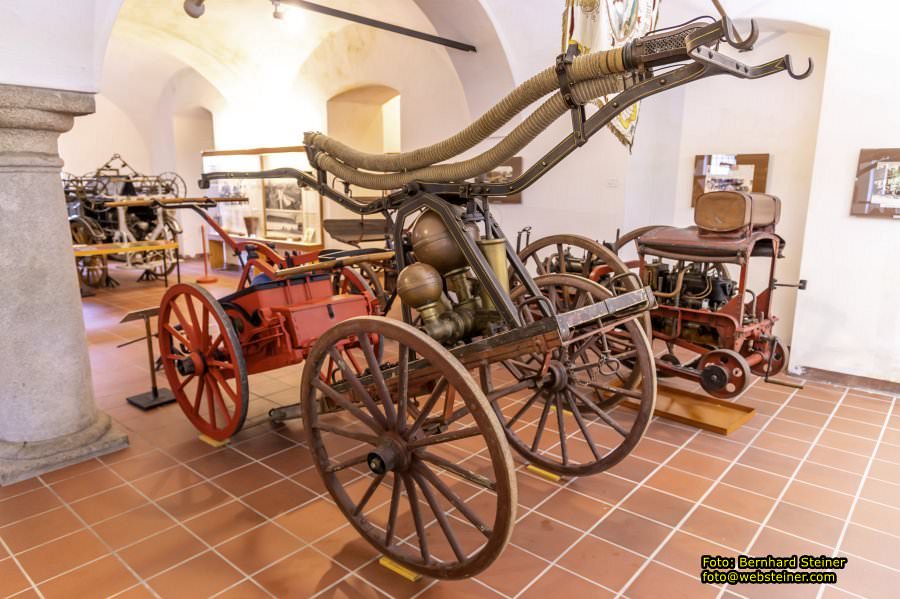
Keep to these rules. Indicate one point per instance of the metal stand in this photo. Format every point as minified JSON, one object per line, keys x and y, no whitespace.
{"x":155,"y":397}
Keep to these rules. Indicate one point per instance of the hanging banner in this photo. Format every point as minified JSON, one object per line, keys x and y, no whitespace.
{"x":603,"y":24}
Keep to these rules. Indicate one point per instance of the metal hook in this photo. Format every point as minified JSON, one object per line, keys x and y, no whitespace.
{"x":731,"y":35}
{"x":734,"y":39}
{"x":789,"y":67}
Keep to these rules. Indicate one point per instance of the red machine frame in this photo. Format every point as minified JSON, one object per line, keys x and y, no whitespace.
{"x":743,"y":340}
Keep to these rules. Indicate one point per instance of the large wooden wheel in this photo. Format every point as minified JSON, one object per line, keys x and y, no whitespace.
{"x":560,"y":409}
{"x":93,"y":271}
{"x":203,"y":361}
{"x":579,"y":255}
{"x":154,"y":259}
{"x":415,"y":459}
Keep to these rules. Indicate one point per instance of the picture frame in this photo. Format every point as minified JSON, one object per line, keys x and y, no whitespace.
{"x":729,"y":172}
{"x":504,"y":173}
{"x":876,"y":191}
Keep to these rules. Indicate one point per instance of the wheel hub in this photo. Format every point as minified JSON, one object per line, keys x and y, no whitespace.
{"x":390,"y":455}
{"x":557,"y":377}
{"x":714,"y":377}
{"x":192,"y":364}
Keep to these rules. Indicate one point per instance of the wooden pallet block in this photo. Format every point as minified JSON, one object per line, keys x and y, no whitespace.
{"x":711,"y":414}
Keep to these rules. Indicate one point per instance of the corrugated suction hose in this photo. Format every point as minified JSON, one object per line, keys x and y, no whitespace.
{"x":522,"y":135}
{"x":597,"y":65}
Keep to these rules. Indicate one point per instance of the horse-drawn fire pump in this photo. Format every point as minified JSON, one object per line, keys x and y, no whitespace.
{"x":100,"y":211}
{"x":410,"y":426}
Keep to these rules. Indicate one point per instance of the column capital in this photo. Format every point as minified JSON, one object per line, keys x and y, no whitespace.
{"x":31,"y":120}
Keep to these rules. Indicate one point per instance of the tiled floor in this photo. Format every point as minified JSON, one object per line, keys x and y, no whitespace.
{"x":816,"y":471}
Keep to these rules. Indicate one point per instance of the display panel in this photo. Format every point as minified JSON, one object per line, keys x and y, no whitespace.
{"x":730,"y":172}
{"x":876,"y":192}
{"x":278,"y":209}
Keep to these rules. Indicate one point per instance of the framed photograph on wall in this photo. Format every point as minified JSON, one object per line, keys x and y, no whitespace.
{"x":876,"y":193}
{"x":278,"y":209}
{"x":730,"y":172}
{"x":504,"y":173}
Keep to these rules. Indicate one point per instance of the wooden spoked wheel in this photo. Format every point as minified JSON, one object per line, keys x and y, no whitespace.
{"x":371,"y":274}
{"x":93,"y":271}
{"x":416,"y":459}
{"x":724,"y":373}
{"x":203,"y":361}
{"x":158,"y":266}
{"x":579,"y":255}
{"x":561,"y":409}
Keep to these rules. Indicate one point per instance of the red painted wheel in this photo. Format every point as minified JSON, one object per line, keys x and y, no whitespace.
{"x":779,"y":359}
{"x":203,"y":361}
{"x":723,"y":373}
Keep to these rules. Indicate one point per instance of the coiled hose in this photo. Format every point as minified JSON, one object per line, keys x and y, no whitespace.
{"x":521,"y":136}
{"x":596,"y":69}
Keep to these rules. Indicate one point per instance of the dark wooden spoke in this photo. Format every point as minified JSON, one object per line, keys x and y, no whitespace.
{"x":402,"y":387}
{"x":452,"y":497}
{"x":561,"y":257}
{"x":541,"y":424}
{"x":601,"y":414}
{"x":573,"y":407}
{"x":561,"y":425}
{"x":378,"y":377}
{"x":348,"y":463}
{"x":504,"y":391}
{"x":523,"y":409}
{"x":358,"y":388}
{"x":416,"y":510}
{"x":586,"y":265}
{"x":448,"y":437}
{"x":342,"y":432}
{"x":344,"y":403}
{"x":441,"y":517}
{"x":392,"y":511}
{"x":439,"y":389}
{"x":617,"y":390}
{"x":458,"y":470}
{"x":368,"y":494}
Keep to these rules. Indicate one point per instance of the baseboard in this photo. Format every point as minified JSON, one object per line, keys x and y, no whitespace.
{"x":847,"y":380}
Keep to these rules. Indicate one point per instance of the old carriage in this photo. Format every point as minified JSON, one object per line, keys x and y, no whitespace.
{"x":410,"y":422}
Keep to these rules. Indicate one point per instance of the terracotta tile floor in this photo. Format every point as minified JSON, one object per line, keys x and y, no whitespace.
{"x":816,"y":471}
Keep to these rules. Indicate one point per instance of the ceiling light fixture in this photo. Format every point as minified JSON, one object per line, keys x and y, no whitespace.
{"x":277,"y":11}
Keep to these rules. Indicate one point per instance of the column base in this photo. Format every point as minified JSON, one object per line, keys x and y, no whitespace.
{"x":20,"y":461}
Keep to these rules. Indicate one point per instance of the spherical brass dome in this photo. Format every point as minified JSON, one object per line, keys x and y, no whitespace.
{"x":419,"y":284}
{"x":433,"y":244}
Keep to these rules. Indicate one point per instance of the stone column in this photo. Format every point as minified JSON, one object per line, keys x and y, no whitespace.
{"x":48,"y":418}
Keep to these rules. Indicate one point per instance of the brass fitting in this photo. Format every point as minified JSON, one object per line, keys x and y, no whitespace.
{"x":421,"y":287}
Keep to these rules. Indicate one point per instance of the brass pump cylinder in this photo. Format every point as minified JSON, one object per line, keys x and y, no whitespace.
{"x":494,"y":251}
